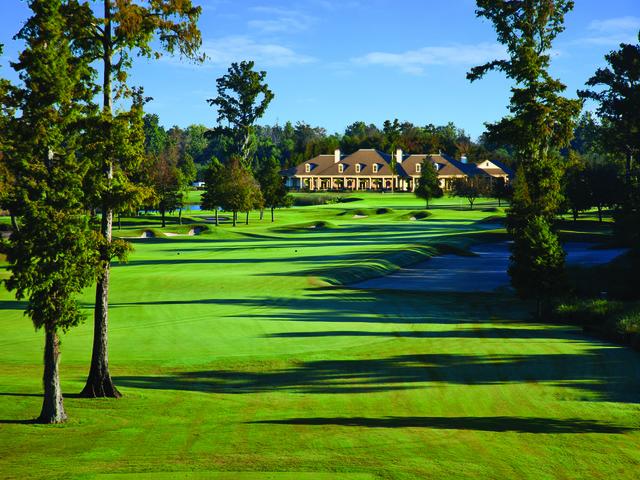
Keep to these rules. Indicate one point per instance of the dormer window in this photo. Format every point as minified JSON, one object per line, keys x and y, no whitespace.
{"x":307,"y":168}
{"x":418,"y":167}
{"x":358,"y":168}
{"x":375,"y":168}
{"x":340,"y":168}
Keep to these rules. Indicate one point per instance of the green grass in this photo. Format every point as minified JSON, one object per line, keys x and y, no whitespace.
{"x":241,"y":354}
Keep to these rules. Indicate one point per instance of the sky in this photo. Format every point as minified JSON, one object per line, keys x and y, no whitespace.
{"x":333,"y":62}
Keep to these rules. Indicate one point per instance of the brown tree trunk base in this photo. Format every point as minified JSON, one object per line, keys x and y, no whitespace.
{"x":52,"y":404}
{"x":100,"y":388}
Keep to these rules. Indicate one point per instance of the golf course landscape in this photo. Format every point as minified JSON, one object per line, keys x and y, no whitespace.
{"x":245,"y":353}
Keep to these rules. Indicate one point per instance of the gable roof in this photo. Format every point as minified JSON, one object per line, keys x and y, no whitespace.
{"x":318,"y":164}
{"x":366,"y":158}
{"x":446,"y":166}
{"x":506,"y":169}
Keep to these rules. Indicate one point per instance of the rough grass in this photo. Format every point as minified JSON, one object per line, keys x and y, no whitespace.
{"x":236,"y":360}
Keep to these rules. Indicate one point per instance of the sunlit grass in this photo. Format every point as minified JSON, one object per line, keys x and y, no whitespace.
{"x":242,"y":350}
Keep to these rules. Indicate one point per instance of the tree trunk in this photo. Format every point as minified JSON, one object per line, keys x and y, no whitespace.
{"x":261,"y":213}
{"x":14,"y":222}
{"x":180,"y":216}
{"x":247,"y":219}
{"x":575,"y":215}
{"x":235,"y":216}
{"x":99,"y":383}
{"x":272,"y":209}
{"x":164,"y":221}
{"x":216,"y":216}
{"x":119,"y":221}
{"x":600,"y":213}
{"x":471,"y":204}
{"x":52,"y":404}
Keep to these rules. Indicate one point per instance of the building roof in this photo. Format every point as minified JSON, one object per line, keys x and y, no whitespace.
{"x":325,"y":165}
{"x":446,"y":166}
{"x":366,"y":158}
{"x":318,"y":164}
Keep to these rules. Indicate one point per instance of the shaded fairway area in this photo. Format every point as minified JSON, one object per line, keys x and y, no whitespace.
{"x":241,"y":354}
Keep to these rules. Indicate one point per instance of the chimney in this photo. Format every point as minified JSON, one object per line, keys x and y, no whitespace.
{"x":399,"y":155}
{"x":336,"y":154}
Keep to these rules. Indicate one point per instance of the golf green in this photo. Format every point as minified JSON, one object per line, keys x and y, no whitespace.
{"x":242,"y":353}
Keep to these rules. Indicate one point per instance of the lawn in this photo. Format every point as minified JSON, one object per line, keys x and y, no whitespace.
{"x":242,"y":354}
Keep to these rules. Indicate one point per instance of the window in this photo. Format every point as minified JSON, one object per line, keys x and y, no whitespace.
{"x":375,"y":168}
{"x":418,"y":167}
{"x":358,"y":167}
{"x":307,"y":168}
{"x":340,"y":168}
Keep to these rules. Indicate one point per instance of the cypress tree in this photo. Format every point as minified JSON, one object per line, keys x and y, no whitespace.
{"x":52,"y":251}
{"x":540,"y":123}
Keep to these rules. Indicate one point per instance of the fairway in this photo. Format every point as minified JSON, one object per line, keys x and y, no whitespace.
{"x":243,"y":353}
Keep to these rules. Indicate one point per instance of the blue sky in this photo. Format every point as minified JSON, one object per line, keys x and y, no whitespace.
{"x":333,"y":62}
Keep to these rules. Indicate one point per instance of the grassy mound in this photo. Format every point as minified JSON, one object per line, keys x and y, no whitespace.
{"x":371,"y":266}
{"x":383,"y":211}
{"x":416,"y":215}
{"x":304,"y":227}
{"x":492,"y":219}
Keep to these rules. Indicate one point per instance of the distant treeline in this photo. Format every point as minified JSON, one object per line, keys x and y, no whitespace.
{"x":193,"y":147}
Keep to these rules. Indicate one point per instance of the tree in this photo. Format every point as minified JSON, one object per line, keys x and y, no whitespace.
{"x":540,"y":122}
{"x":272,"y":186}
{"x":619,"y":101}
{"x":240,"y":191}
{"x":7,"y":109}
{"x":616,"y":89}
{"x":52,"y":252}
{"x":577,"y":191}
{"x":428,"y":185}
{"x":155,"y":136}
{"x":125,"y":28}
{"x":604,"y":187}
{"x":471,"y":188}
{"x":167,"y":183}
{"x":537,"y":266}
{"x":214,"y":191}
{"x":500,"y":190}
{"x":243,"y":97}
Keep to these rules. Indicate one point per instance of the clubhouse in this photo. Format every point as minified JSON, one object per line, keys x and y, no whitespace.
{"x":369,"y":169}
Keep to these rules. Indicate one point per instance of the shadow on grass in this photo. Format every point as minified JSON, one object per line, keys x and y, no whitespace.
{"x":31,"y":421}
{"x":485,"y":424}
{"x":361,"y":306}
{"x":12,"y":305}
{"x":564,"y":333}
{"x":600,"y":371}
